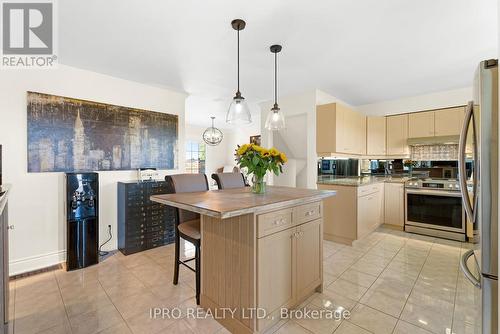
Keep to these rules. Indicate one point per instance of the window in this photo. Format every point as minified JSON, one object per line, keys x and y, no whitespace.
{"x":195,"y":157}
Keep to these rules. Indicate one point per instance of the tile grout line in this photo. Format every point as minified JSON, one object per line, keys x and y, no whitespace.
{"x":64,"y":304}
{"x":116,"y":308}
{"x":378,"y":276}
{"x":413,"y":286}
{"x":456,"y":289}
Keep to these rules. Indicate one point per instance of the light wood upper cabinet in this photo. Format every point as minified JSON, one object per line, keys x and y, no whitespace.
{"x":448,"y":122}
{"x":375,"y":136}
{"x":309,"y":271}
{"x":397,"y":135}
{"x":340,"y":129}
{"x":421,"y":124}
{"x":394,"y":204}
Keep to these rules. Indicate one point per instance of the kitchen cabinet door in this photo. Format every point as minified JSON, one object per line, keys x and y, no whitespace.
{"x":375,"y":136}
{"x":361,"y":134}
{"x":369,"y":213}
{"x":448,"y":122}
{"x":397,"y":135}
{"x":276,"y":270}
{"x":308,"y":255}
{"x":394,"y":204}
{"x":421,"y":124}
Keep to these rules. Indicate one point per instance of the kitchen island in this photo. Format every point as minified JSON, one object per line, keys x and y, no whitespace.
{"x":260,"y":253}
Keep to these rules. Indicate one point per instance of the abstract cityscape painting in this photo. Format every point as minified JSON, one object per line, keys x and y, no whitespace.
{"x":68,"y":135}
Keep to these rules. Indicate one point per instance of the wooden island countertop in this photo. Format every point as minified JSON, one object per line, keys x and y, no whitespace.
{"x":236,"y":202}
{"x":258,"y":252}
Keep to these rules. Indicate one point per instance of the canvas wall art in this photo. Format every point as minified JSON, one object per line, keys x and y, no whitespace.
{"x":67,"y":135}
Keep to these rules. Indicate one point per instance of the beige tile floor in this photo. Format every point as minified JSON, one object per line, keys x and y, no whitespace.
{"x":392,"y":282}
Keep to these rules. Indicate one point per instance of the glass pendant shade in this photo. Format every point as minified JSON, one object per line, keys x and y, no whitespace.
{"x":239,"y":113}
{"x":212,"y":136}
{"x":275,"y":119}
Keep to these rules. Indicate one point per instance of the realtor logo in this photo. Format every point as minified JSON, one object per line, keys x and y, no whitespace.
{"x":27,"y":34}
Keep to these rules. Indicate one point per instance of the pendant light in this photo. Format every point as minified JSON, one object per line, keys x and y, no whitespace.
{"x":275,"y":119}
{"x":238,"y":112}
{"x":212,"y":136}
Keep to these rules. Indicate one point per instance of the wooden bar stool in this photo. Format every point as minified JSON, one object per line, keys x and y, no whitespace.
{"x":187,"y":225}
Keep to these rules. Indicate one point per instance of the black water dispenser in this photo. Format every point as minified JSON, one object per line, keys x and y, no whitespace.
{"x":82,"y":207}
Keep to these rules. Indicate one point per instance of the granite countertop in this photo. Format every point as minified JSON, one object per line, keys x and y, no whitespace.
{"x":358,"y":181}
{"x":239,"y":201}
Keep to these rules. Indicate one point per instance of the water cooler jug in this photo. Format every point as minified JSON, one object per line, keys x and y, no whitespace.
{"x":82,"y":207}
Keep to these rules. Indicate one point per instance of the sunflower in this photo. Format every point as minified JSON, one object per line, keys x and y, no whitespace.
{"x":274,"y":152}
{"x":283,"y":157}
{"x":242,"y":149}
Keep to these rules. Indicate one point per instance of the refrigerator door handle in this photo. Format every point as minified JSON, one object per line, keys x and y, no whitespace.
{"x":466,"y":271}
{"x":461,"y":163}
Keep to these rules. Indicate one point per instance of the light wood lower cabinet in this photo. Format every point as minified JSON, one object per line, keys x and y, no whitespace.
{"x":394,"y":205}
{"x":276,"y":270}
{"x":309,"y":272}
{"x":289,"y":264}
{"x":353,"y":213}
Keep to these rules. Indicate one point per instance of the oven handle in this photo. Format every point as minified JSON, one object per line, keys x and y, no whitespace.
{"x":462,"y":175}
{"x":434,"y":192}
{"x":466,"y":271}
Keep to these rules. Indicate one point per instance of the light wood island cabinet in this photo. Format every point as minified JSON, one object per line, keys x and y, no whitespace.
{"x":258,"y":251}
{"x":397,"y":135}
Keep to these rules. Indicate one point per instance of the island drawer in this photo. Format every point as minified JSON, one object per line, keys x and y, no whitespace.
{"x":369,"y":189}
{"x":307,"y":212}
{"x":275,"y":221}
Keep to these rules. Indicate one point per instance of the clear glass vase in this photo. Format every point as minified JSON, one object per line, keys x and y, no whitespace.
{"x":259,"y":185}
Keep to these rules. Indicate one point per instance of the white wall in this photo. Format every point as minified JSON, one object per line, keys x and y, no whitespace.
{"x":36,"y":202}
{"x":216,"y":156}
{"x":302,"y":106}
{"x":448,"y":98}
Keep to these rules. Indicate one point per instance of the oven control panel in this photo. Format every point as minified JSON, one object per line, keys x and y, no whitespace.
{"x":434,"y":184}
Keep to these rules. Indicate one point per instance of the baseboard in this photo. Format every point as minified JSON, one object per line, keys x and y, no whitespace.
{"x":33,"y":263}
{"x":335,"y":238}
{"x":393,"y":227}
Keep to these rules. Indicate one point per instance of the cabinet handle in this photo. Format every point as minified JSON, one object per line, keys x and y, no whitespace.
{"x":279,"y":221}
{"x":10,"y":227}
{"x":309,"y":213}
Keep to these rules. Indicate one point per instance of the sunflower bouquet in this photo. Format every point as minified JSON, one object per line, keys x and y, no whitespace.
{"x":259,"y":161}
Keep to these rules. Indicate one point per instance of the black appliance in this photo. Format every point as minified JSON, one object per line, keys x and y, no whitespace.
{"x":338,"y":167}
{"x":143,"y":224}
{"x":82,"y":207}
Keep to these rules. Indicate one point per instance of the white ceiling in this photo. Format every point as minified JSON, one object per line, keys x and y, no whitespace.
{"x":358,"y":51}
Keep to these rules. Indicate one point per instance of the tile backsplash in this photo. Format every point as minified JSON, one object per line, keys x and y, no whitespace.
{"x":434,"y":152}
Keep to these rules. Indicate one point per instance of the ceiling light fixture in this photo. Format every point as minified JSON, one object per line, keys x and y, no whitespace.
{"x":275,"y":119}
{"x":238,"y":112}
{"x":212,"y":136}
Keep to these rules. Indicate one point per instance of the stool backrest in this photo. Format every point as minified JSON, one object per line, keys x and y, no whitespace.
{"x":186,"y":183}
{"x":229,"y":180}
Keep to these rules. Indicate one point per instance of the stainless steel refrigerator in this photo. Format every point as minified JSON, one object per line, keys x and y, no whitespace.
{"x":479,"y":141}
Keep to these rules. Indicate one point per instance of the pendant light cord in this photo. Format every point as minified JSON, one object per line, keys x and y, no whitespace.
{"x":276,"y":78}
{"x":238,"y":53}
